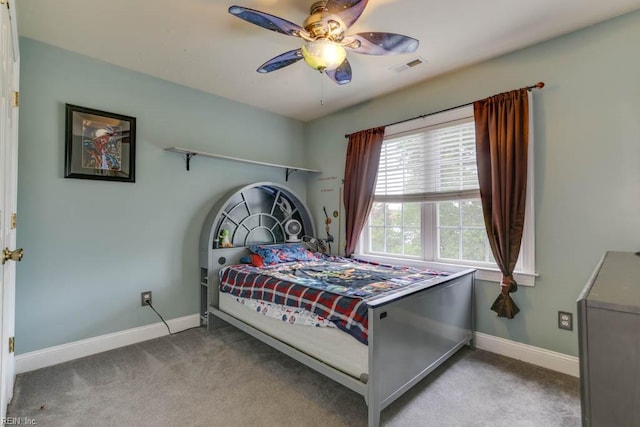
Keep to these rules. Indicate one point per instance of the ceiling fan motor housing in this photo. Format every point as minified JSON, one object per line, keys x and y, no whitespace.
{"x":324,"y":25}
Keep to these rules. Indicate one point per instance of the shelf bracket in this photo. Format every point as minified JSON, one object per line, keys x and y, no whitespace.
{"x":188,"y":157}
{"x":289,"y":171}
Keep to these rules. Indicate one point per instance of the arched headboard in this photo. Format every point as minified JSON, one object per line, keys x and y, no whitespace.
{"x":255,"y":214}
{"x":252,"y":214}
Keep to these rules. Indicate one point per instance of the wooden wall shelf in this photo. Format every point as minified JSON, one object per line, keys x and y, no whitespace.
{"x":190,"y":153}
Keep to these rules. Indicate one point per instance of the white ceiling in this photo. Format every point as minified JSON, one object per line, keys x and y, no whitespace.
{"x":197,"y":43}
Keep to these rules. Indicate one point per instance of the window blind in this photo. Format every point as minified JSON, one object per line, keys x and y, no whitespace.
{"x":429,"y":164}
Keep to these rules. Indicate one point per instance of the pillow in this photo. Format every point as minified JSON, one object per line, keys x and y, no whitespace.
{"x":253,"y":259}
{"x":276,"y":254}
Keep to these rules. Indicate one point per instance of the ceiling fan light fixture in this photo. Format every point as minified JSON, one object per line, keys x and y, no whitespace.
{"x":323,"y":54}
{"x":325,"y":38}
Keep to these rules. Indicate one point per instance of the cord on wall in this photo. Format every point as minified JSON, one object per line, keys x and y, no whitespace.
{"x":167,"y":325}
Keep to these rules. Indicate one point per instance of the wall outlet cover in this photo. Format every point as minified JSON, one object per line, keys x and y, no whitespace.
{"x":565,"y":320}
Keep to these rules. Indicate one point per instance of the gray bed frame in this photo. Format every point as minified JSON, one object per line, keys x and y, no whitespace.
{"x":411,"y":332}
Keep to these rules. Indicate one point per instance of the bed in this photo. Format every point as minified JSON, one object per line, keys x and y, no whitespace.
{"x":406,"y":321}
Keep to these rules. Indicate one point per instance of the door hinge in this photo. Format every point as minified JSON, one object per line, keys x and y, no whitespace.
{"x":14,"y":221}
{"x":12,"y":341}
{"x":16,"y":98}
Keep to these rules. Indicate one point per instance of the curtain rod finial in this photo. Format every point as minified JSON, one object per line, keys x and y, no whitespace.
{"x":538,"y":85}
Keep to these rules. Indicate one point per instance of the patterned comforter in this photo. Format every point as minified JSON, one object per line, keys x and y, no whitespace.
{"x":334,"y":288}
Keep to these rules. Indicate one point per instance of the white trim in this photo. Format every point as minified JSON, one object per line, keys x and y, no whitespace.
{"x":495,"y":275}
{"x":14,"y":30}
{"x":74,"y":350}
{"x":527,"y":259}
{"x":558,"y":362}
{"x":63,"y":353}
{"x":428,"y":120}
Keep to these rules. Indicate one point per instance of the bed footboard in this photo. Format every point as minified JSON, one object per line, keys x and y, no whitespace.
{"x":411,"y":336}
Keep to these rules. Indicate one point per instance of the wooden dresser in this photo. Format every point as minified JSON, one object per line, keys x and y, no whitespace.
{"x":609,"y":337}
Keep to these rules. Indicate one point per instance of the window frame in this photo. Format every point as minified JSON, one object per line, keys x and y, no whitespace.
{"x":525,"y":268}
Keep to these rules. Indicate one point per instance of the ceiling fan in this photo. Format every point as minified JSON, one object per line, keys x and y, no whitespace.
{"x":324,"y":33}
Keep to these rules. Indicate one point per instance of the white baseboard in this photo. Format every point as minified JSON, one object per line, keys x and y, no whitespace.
{"x":63,"y":353}
{"x":558,"y":362}
{"x":74,"y":350}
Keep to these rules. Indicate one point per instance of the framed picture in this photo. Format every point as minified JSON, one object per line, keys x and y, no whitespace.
{"x":99,"y":145}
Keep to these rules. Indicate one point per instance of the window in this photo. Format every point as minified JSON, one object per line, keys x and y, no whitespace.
{"x":427,"y":200}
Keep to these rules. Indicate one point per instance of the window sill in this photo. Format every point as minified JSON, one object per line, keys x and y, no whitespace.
{"x":482,"y":273}
{"x":491,"y":275}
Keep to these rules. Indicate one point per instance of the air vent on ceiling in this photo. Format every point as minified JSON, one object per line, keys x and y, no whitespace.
{"x":412,"y":63}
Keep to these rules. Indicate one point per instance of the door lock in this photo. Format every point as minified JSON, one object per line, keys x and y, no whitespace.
{"x":8,"y":255}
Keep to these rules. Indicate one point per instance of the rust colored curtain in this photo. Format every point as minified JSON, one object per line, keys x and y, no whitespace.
{"x":360,"y":172}
{"x":502,"y":131}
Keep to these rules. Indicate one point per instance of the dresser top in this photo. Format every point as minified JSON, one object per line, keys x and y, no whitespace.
{"x":616,"y":285}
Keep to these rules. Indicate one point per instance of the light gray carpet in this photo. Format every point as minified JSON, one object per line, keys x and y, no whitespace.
{"x":228,"y":378}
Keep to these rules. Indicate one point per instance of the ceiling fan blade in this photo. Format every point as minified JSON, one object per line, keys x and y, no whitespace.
{"x":380,"y":43}
{"x":267,"y":21}
{"x":342,"y":74}
{"x":348,"y":10}
{"x":281,"y":61}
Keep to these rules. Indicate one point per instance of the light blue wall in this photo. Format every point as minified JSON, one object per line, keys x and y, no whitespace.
{"x":587,"y":154}
{"x":91,"y":247}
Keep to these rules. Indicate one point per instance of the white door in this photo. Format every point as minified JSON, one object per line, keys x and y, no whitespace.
{"x":9,"y":77}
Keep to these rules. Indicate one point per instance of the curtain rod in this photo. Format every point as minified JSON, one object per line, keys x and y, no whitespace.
{"x":538,"y":85}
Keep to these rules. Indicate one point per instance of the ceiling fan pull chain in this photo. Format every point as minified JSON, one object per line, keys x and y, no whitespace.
{"x":321,"y":89}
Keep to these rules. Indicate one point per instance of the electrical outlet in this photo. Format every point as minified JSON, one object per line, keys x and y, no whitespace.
{"x":145,"y":298}
{"x":565,"y":320}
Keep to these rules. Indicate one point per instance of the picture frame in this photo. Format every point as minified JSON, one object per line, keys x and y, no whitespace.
{"x":99,"y":145}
